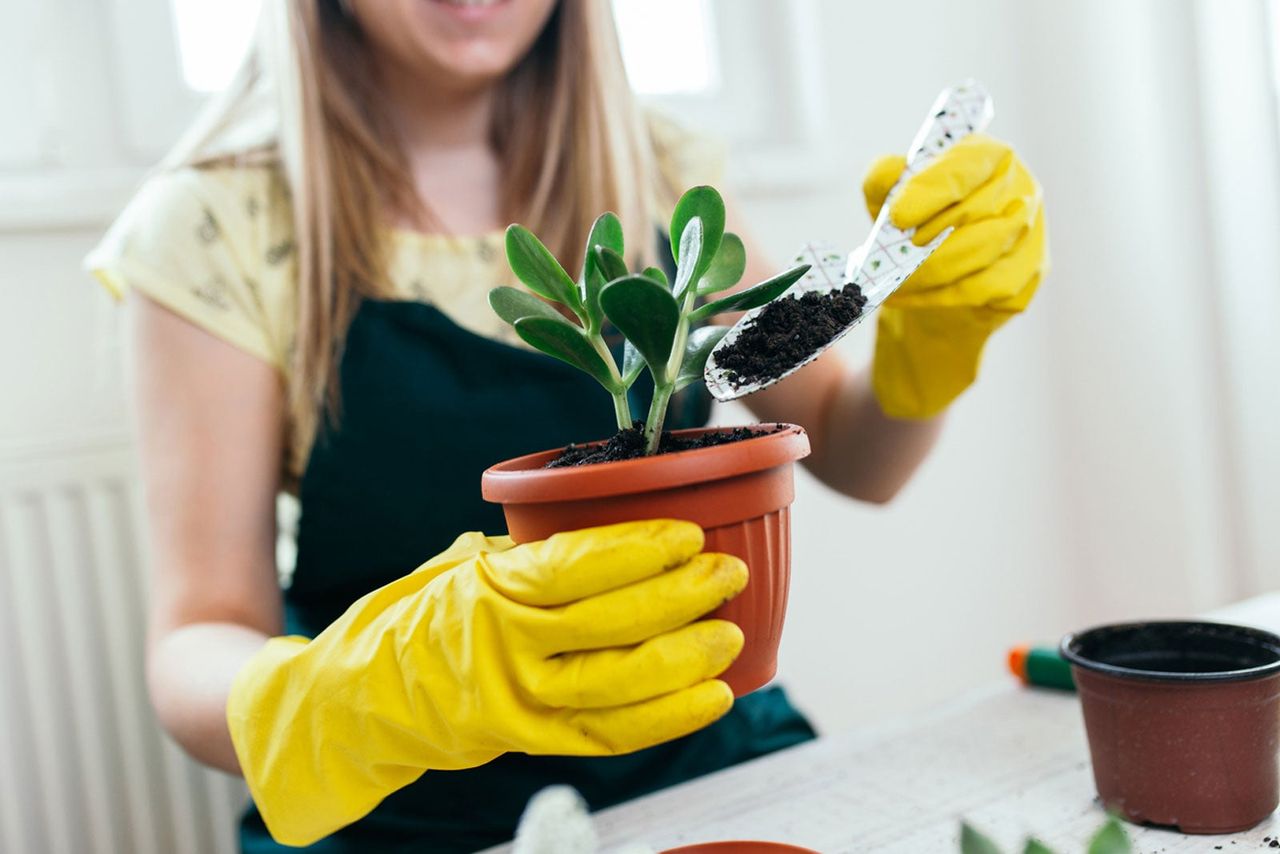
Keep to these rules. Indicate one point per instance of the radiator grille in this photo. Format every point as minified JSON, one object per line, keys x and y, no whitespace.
{"x":86,"y":768}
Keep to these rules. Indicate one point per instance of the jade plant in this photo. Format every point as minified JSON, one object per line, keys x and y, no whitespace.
{"x":658,"y":318}
{"x":1110,"y":839}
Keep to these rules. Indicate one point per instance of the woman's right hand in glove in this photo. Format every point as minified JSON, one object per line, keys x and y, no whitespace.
{"x":588,"y":643}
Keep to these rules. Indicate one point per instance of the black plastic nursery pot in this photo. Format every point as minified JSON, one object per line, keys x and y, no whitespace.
{"x":1183,"y":720}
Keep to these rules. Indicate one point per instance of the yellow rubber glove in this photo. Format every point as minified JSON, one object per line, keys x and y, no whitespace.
{"x":582,"y":644}
{"x":930,"y":334}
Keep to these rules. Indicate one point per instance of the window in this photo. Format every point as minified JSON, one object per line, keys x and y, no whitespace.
{"x":742,"y":70}
{"x":212,"y":38}
{"x":668,"y":46}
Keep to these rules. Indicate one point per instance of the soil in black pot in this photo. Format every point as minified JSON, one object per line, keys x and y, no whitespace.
{"x":787,"y":331}
{"x":629,"y":444}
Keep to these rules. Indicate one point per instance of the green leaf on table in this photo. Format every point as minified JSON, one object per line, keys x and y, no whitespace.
{"x":696,"y":352}
{"x":687,"y":257}
{"x":704,"y":203}
{"x":647,"y":315}
{"x":657,"y":275}
{"x":610,"y":264}
{"x":559,"y":338}
{"x":726,"y":268}
{"x":541,"y":273}
{"x":973,"y":842}
{"x":1035,"y":846}
{"x":606,"y":232}
{"x":1110,"y":839}
{"x":512,"y":304}
{"x":753,"y":297}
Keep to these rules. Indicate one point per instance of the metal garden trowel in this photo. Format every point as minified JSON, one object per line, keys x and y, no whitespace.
{"x":888,"y":256}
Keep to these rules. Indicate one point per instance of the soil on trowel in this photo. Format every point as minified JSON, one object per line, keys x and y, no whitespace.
{"x":629,"y":444}
{"x":787,"y":332}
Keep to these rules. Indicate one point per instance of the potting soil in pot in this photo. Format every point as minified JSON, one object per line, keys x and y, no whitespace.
{"x":787,"y":331}
{"x":629,"y":444}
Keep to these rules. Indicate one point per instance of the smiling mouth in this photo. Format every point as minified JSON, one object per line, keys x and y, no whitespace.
{"x":466,"y":4}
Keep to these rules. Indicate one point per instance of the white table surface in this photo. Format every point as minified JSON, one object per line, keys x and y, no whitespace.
{"x":1012,"y":761}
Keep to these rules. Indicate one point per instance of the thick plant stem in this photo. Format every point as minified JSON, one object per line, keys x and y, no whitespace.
{"x":662,"y":391}
{"x":657,"y":414}
{"x":622,"y":410}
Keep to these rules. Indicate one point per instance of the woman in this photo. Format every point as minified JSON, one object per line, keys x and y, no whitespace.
{"x":307,"y":280}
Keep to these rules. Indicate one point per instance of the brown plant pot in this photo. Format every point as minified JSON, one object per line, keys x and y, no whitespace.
{"x":739,"y":493}
{"x":1183,"y":721}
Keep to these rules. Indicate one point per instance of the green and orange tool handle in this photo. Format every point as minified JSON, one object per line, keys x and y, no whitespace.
{"x":1041,"y":666}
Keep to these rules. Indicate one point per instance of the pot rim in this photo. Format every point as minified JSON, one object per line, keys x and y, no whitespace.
{"x":523,"y":480}
{"x":1070,"y":644}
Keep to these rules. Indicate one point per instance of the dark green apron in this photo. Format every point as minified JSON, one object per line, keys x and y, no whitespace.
{"x":426,"y":407}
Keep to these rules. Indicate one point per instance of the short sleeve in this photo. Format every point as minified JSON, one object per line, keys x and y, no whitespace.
{"x":208,"y":245}
{"x":685,"y":158}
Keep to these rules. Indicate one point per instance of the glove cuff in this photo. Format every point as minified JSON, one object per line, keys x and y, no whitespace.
{"x":925,"y":358}
{"x":291,"y":751}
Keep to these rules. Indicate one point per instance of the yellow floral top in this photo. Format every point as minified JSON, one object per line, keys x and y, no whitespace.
{"x":215,"y":245}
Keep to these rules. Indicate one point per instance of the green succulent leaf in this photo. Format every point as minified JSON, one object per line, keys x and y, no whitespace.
{"x":610,"y":264}
{"x":973,"y":842}
{"x":632,"y":364}
{"x":687,"y":257}
{"x":726,"y":268}
{"x":647,"y":315}
{"x":752,"y":297}
{"x":657,"y":275}
{"x":704,"y":203}
{"x":512,"y":304}
{"x":534,"y":265}
{"x":696,"y":351}
{"x":559,"y":338}
{"x":1035,"y":846}
{"x":1110,"y":839}
{"x":605,"y":232}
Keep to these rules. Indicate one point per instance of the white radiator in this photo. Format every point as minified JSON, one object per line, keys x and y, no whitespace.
{"x":84,"y":766}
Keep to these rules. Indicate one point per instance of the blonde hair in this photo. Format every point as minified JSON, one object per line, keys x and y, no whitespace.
{"x":305,"y":99}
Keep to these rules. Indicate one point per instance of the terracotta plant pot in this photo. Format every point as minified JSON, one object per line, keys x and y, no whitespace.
{"x":1182,"y":719}
{"x":740,"y":847}
{"x":739,"y":493}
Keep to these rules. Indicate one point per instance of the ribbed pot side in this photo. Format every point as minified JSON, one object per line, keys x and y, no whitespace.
{"x":1201,"y":758}
{"x":740,"y":494}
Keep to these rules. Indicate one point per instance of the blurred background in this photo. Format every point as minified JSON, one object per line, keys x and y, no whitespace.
{"x":1117,"y":458}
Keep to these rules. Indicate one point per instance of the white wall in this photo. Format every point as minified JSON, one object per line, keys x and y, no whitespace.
{"x":1095,"y":472}
{"x":87,"y":768}
{"x":1115,"y":459}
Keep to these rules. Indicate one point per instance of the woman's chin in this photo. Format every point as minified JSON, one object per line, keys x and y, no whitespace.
{"x":473,"y":12}
{"x":469,"y":66}
{"x":474,"y":41}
